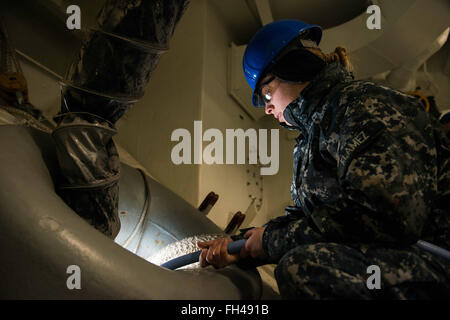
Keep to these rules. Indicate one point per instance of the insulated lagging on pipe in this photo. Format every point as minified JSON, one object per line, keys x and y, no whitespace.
{"x":118,"y":57}
{"x":107,"y":78}
{"x":184,"y":260}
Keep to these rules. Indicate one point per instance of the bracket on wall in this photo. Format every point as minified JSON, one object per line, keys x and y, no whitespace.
{"x":209,"y":201}
{"x":235,"y":223}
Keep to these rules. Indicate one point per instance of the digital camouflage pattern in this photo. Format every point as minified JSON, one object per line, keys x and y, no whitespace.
{"x":336,"y":271}
{"x":371,"y":178}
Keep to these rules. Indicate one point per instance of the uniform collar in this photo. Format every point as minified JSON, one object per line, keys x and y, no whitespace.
{"x":299,"y":112}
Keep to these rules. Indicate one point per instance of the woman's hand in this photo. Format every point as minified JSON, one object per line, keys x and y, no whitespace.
{"x":253,"y":245}
{"x":215,"y":253}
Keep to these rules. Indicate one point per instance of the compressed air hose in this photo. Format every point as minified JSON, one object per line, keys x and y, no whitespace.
{"x":434,"y":249}
{"x":233,"y":247}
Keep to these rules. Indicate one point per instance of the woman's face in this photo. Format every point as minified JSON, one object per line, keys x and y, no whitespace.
{"x":278,"y":95}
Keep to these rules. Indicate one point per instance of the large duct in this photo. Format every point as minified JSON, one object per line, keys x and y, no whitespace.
{"x":43,"y":237}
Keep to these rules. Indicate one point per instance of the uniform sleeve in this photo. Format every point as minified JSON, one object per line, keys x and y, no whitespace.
{"x":385,"y":176}
{"x":386,"y":168}
{"x":287,"y":232}
{"x":282,"y":234}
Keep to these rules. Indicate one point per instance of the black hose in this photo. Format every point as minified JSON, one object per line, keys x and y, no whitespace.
{"x":434,"y":249}
{"x":233,"y":247}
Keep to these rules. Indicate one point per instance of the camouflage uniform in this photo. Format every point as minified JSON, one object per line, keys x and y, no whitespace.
{"x":371,"y":178}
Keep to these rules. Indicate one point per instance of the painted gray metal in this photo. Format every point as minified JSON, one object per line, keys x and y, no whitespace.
{"x":41,"y":236}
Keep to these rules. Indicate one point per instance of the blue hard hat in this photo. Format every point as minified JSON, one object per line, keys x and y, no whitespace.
{"x":267,"y":43}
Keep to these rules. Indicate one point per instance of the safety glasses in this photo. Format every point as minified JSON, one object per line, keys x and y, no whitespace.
{"x":267,"y":96}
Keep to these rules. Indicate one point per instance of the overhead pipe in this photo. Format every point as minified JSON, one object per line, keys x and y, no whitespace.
{"x":404,"y":77}
{"x":407,"y":30}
